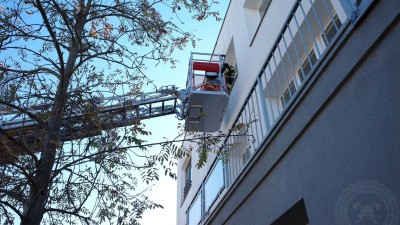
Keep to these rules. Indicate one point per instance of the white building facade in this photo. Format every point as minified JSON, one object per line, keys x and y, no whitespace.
{"x":316,"y":100}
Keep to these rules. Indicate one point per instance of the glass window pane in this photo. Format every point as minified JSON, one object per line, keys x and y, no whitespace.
{"x":195,"y":212}
{"x":331,"y":29}
{"x":306,"y":65}
{"x":214,"y":184}
{"x":286,"y":96}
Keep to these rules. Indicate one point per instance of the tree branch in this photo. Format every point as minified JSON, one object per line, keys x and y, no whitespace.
{"x":12,"y":207}
{"x":34,"y":71}
{"x":73,"y":213}
{"x":25,"y":111}
{"x":52,"y":34}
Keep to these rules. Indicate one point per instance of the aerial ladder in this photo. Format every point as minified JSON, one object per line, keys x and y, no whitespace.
{"x":202,"y":105}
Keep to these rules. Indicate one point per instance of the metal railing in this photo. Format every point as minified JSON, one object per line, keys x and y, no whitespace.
{"x":204,"y":72}
{"x":187,"y":188}
{"x":306,"y":35}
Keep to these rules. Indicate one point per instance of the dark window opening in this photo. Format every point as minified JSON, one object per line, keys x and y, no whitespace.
{"x":296,"y":215}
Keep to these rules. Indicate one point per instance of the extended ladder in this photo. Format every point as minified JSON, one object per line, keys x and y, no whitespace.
{"x":122,"y":110}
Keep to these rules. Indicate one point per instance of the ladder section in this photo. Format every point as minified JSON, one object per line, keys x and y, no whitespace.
{"x":118,"y":111}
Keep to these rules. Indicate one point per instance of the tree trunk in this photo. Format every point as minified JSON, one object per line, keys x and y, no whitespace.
{"x":35,"y":211}
{"x":39,"y":192}
{"x":38,"y":196}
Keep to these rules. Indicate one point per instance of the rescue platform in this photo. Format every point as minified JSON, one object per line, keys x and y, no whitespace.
{"x":208,"y":95}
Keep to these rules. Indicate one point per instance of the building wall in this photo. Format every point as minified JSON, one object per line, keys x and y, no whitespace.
{"x":343,"y":129}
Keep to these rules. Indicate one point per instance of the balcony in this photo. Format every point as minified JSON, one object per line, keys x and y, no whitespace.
{"x":304,"y":40}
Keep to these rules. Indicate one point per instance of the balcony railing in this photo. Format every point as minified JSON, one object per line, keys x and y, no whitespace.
{"x":308,"y":32}
{"x":311,"y":28}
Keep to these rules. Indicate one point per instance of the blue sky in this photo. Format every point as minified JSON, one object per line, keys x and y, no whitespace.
{"x":164,"y":191}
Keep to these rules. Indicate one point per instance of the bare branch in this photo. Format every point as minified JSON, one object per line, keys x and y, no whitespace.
{"x":52,"y":34}
{"x":35,"y":71}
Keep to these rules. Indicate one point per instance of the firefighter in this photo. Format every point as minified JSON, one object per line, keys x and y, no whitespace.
{"x":229,"y":74}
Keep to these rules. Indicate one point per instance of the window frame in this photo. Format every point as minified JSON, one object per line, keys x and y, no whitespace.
{"x":329,"y":24}
{"x":263,"y":8}
{"x":198,"y":197}
{"x":187,"y":180}
{"x":251,"y":10}
{"x":205,"y":186}
{"x":299,"y":71}
{"x":282,"y":101}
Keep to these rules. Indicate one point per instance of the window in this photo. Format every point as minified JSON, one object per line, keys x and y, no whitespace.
{"x":229,"y":75}
{"x":207,"y":194}
{"x":296,"y":215}
{"x":254,"y":11}
{"x":230,"y":59}
{"x":263,"y":7}
{"x":213,"y":185}
{"x":306,"y":66}
{"x":194,"y":213}
{"x":288,"y":93}
{"x":188,"y":179}
{"x":330,"y":28}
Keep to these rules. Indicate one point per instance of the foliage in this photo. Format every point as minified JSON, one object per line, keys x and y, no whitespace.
{"x":205,"y":144}
{"x":60,"y":56}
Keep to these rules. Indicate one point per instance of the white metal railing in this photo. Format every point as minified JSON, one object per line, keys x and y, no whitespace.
{"x":306,"y":35}
{"x":205,"y":72}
